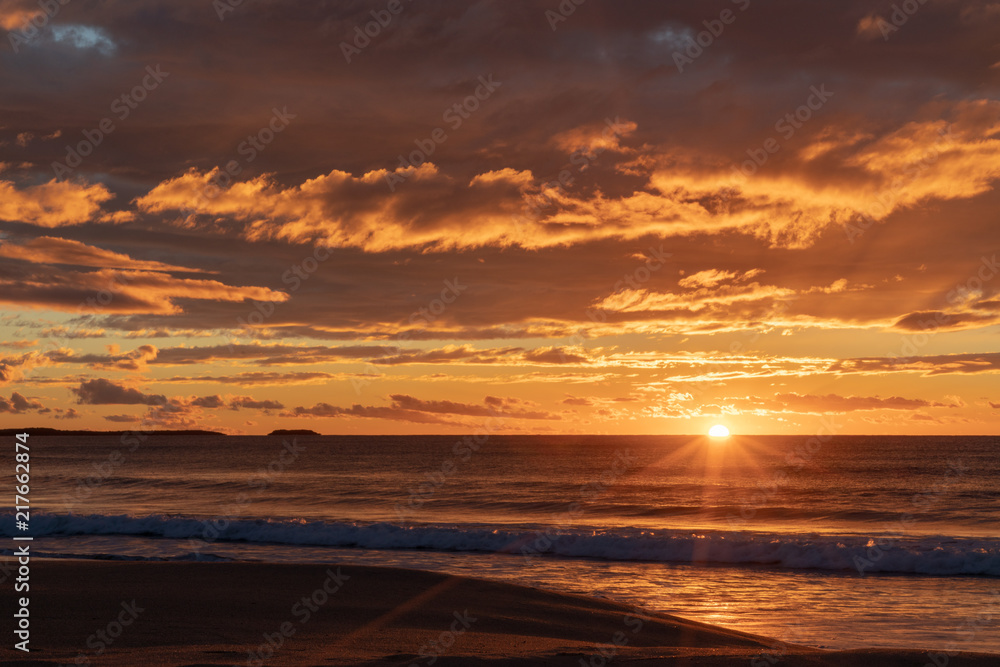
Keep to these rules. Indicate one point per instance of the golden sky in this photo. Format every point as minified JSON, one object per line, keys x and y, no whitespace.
{"x":404,"y":217}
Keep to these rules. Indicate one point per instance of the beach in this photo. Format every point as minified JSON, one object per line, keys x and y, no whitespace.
{"x":533,"y":332}
{"x":157,"y":613}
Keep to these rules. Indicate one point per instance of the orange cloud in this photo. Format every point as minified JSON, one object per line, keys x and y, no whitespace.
{"x":686,"y":192}
{"x":131,"y":291}
{"x":52,"y":204}
{"x":939,"y":364}
{"x":53,"y":250}
{"x":806,"y":403}
{"x":408,"y":408}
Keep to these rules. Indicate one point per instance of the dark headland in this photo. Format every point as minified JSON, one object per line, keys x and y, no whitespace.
{"x":57,"y":431}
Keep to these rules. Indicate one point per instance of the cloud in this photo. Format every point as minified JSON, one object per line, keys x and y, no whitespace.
{"x":279,"y":354}
{"x":67,"y":413}
{"x":208,"y":402}
{"x":18,"y":344}
{"x":122,"y":291}
{"x":251,"y":403}
{"x":834,"y":403}
{"x":259,"y":378}
{"x":714,"y":277}
{"x":13,"y":17}
{"x":174,"y":415}
{"x":493,"y":407}
{"x":938,"y":364}
{"x":54,"y":250}
{"x":18,"y":404}
{"x":13,"y":369}
{"x":171,"y":228}
{"x":936,"y":320}
{"x":411,"y":409}
{"x":918,"y":161}
{"x":367,"y":412}
{"x":106,"y":392}
{"x":123,"y":419}
{"x":575,"y":400}
{"x":73,"y":333}
{"x":133,"y":360}
{"x":52,"y":204}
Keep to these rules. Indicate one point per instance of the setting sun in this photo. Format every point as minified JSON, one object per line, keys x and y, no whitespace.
{"x":718,"y":431}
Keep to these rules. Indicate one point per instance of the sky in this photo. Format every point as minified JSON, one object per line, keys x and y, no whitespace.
{"x":400,"y":217}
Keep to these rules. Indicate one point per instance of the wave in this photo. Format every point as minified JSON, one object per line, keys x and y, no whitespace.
{"x":928,"y":555}
{"x":192,"y":556}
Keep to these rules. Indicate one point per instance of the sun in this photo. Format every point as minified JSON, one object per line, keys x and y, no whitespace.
{"x":718,"y":431}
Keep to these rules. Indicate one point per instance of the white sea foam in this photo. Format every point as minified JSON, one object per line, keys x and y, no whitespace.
{"x":905,"y":555}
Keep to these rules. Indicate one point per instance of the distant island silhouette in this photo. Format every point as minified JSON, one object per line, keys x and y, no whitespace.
{"x":56,"y":431}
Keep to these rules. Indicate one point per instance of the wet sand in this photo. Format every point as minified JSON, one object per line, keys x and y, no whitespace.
{"x":155,"y":613}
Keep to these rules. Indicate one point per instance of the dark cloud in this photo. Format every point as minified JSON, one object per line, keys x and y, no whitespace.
{"x":409,"y":408}
{"x":18,"y":404}
{"x":122,"y":419}
{"x":106,"y":392}
{"x":576,"y":400}
{"x":208,"y":402}
{"x":250,"y":403}
{"x":252,"y":378}
{"x":494,"y":407}
{"x":368,"y":412}
{"x":938,"y":320}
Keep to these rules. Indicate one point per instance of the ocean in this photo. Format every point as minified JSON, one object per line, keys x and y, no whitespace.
{"x":835,"y":542}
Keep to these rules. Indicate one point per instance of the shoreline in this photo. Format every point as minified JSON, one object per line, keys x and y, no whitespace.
{"x":183,"y":613}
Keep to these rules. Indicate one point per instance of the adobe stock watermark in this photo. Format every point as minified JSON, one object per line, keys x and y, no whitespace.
{"x":436,"y":307}
{"x":633,"y":621}
{"x":32,"y":27}
{"x":923,"y":501}
{"x":901,"y":13}
{"x":223,"y":7}
{"x":462,"y":452}
{"x":372,"y":29}
{"x":988,"y":269}
{"x":293,"y":277}
{"x":565,"y":9}
{"x":777,"y":309}
{"x":248,"y":150}
{"x":438,"y":647}
{"x":786,"y":127}
{"x":713,"y":30}
{"x":655,"y":261}
{"x":303,"y":611}
{"x":122,"y":107}
{"x":797,"y":459}
{"x":777,"y":648}
{"x":116,"y":284}
{"x":546,"y":539}
{"x":455,"y":116}
{"x":214,"y":528}
{"x":971,"y":628}
{"x":581,"y":159}
{"x":103,"y":638}
{"x":106,"y":469}
{"x":421,"y":317}
{"x":889,"y":196}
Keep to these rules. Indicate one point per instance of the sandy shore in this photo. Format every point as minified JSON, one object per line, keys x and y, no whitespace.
{"x":140,"y":613}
